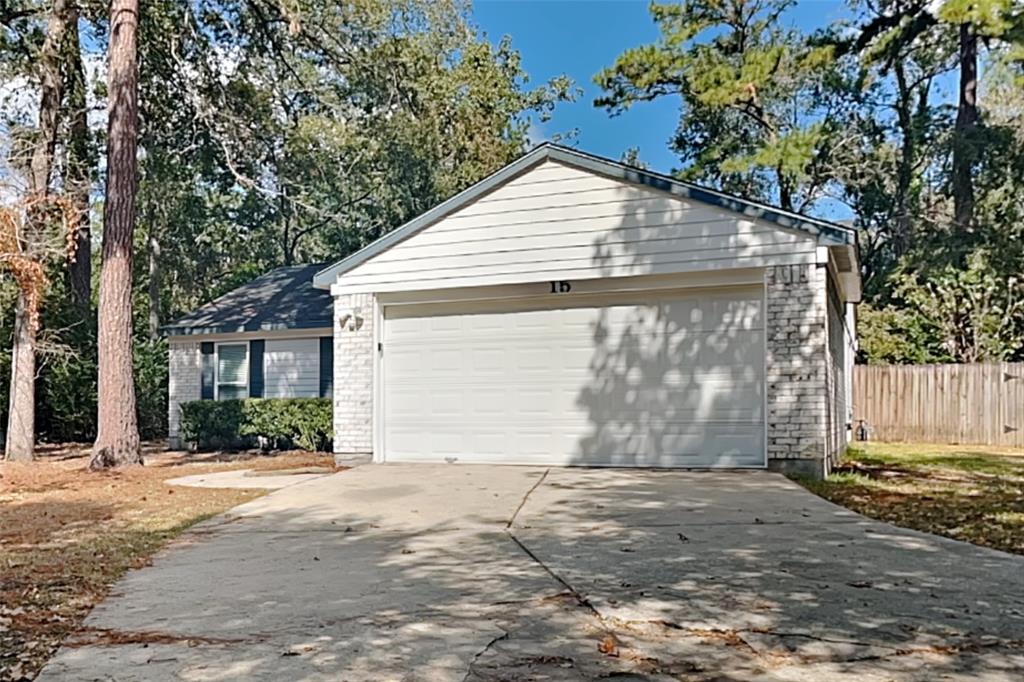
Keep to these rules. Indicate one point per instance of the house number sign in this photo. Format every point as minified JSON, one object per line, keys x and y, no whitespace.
{"x":560,"y":287}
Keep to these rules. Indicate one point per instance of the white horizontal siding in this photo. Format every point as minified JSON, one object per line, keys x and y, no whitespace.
{"x":557,"y":222}
{"x":291,"y":368}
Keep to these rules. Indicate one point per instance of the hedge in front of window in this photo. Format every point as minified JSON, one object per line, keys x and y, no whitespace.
{"x":268,"y":422}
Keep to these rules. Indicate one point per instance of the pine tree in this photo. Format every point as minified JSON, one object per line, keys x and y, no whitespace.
{"x":117,"y":438}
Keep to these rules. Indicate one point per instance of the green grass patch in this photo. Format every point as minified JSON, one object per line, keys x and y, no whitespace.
{"x":934,"y":457}
{"x":969,"y":494}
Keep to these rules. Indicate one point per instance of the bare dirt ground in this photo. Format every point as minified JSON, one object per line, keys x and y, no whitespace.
{"x":66,"y":533}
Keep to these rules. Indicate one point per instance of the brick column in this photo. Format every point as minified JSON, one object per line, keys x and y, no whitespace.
{"x":796,"y":369}
{"x":183,"y":384}
{"x":353,"y":378}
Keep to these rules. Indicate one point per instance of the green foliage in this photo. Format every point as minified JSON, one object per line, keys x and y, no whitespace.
{"x":306,"y":422}
{"x":274,"y":423}
{"x":857,"y":112}
{"x":328,"y":126}
{"x":947,"y":313}
{"x":66,"y":395}
{"x":894,"y":335}
{"x":270,"y":133}
{"x":754,"y":112}
{"x":66,"y":370}
{"x":992,"y":18}
{"x":150,"y":357}
{"x":212,"y":424}
{"x":972,"y":311}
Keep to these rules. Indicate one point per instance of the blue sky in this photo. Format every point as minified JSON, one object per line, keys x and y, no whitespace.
{"x":579,"y":38}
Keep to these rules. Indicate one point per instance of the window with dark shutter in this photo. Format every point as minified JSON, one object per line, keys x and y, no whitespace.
{"x":208,"y":371}
{"x":326,"y":366}
{"x":256,"y":368}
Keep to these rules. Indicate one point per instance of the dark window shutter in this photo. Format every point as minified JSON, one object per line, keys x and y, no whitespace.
{"x":207,"y":371}
{"x":256,"y":369}
{"x":326,"y":366}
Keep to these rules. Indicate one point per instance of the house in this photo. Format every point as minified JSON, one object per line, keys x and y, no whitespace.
{"x":570,"y":310}
{"x":271,"y":338}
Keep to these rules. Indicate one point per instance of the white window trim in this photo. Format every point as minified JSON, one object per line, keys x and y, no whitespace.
{"x":216,"y":365}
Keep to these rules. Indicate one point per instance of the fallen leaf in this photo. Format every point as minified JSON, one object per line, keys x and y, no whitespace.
{"x":608,"y":646}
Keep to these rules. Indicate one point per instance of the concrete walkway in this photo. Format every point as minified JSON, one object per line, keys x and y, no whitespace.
{"x":244,"y":478}
{"x":474,"y":573}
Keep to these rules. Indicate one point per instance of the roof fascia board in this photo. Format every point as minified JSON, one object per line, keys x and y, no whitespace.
{"x":184,"y":330}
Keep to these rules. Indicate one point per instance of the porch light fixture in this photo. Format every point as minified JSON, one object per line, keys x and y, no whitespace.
{"x":351,"y":318}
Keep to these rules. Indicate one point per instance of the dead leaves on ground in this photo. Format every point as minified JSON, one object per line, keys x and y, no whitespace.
{"x":66,"y":534}
{"x":609,"y":645}
{"x":935,"y":496}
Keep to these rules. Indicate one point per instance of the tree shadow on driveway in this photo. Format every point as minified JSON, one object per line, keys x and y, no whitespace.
{"x":423,"y":572}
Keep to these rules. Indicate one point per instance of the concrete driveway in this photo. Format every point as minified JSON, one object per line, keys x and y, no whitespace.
{"x":435,"y":573}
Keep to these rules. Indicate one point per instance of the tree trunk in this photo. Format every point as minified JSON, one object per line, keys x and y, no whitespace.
{"x":285,"y":213}
{"x":117,"y":438}
{"x":49,"y":100}
{"x":785,"y":191}
{"x":903,"y":222}
{"x":20,"y":443}
{"x":79,"y":166}
{"x":964,"y":132}
{"x":153,"y":248}
{"x":21,"y":416}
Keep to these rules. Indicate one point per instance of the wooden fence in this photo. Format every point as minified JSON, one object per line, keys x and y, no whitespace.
{"x":979,"y":404}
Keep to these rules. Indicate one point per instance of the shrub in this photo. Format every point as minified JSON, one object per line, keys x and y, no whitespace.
{"x":212,"y":424}
{"x":268,"y":422}
{"x":151,"y":387}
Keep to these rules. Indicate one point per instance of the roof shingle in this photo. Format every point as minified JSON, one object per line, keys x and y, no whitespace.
{"x":283,"y":298}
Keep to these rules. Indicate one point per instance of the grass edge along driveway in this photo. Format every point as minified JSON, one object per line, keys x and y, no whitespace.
{"x":969,"y":493}
{"x":67,"y":534}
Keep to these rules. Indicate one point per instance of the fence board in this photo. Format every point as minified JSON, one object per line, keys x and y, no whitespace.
{"x":979,"y":404}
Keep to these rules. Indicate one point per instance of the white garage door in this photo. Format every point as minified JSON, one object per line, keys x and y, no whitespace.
{"x":675,"y":380}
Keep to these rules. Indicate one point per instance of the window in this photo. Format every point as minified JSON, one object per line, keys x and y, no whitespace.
{"x":232,"y":371}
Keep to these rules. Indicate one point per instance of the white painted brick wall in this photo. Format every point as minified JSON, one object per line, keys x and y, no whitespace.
{"x":353,"y":377}
{"x":796,"y":367}
{"x":183,"y":383}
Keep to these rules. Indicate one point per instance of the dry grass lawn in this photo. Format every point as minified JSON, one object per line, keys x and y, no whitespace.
{"x":970,"y":493}
{"x":66,"y":534}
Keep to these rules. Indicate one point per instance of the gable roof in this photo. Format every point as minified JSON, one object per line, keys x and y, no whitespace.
{"x":280,"y":299}
{"x":826,"y":232}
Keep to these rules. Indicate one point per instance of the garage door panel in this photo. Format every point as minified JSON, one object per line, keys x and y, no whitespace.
{"x":676,"y":380}
{"x":707,"y":445}
{"x":405,"y":361}
{"x":487,"y":361}
{"x":563,"y":410}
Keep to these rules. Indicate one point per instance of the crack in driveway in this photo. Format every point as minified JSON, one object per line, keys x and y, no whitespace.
{"x":731,"y":637}
{"x":476,"y":657}
{"x":319,"y":576}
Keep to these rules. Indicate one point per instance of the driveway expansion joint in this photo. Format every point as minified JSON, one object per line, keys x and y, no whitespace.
{"x":580,"y":599}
